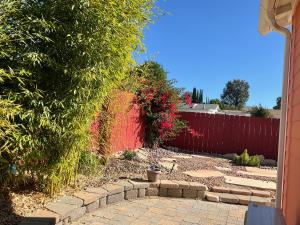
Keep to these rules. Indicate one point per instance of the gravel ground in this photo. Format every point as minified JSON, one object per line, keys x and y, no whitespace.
{"x":14,"y":205}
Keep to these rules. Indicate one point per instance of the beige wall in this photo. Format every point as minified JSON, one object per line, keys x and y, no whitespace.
{"x":291,"y":188}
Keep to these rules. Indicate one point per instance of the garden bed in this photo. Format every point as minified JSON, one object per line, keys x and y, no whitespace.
{"x":24,"y":203}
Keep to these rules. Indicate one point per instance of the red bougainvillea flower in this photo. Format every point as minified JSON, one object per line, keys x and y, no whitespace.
{"x":187,"y":99}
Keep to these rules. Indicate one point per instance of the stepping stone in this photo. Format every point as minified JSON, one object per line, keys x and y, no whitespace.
{"x":212,"y":197}
{"x":169,"y":165}
{"x":222,"y":168}
{"x":250,"y":183}
{"x":182,"y":157}
{"x":204,"y":173}
{"x":168,"y":159}
{"x":254,"y":171}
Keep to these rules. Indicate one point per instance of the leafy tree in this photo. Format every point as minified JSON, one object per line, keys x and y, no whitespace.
{"x":260,"y":111}
{"x":278,"y":103}
{"x":235,"y":94}
{"x":215,"y":101}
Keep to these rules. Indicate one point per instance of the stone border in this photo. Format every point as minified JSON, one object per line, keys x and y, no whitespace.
{"x":67,"y":209}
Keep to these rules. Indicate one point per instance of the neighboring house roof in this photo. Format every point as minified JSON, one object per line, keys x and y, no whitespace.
{"x":201,"y":108}
{"x":234,"y":113}
{"x":283,"y":14}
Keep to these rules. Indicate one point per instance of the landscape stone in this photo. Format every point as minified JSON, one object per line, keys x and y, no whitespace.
{"x":71,"y":200}
{"x":169,"y":165}
{"x":189,"y":193}
{"x":115,"y":198}
{"x":212,"y":197}
{"x":260,"y":201}
{"x":253,"y":171}
{"x":168,"y":184}
{"x":126,"y":184}
{"x":204,"y":173}
{"x":77,"y":213}
{"x":154,"y":184}
{"x":261,"y":193}
{"x":152,"y":191}
{"x":141,"y":192}
{"x":240,"y":191}
{"x":269,"y":162}
{"x":222,"y":168}
{"x":250,"y":183}
{"x":201,"y":194}
{"x":182,"y":156}
{"x":163,"y":192}
{"x":221,"y":189}
{"x":87,"y":197}
{"x":176,"y":193}
{"x":100,"y":191}
{"x":63,"y":209}
{"x":168,"y":159}
{"x":230,"y":156}
{"x":182,"y":184}
{"x":139,"y":184}
{"x":102,"y":202}
{"x":197,"y":186}
{"x":113,"y":189}
{"x":229,"y":198}
{"x":243,"y":199}
{"x":92,"y":206}
{"x":132,"y":194}
{"x":42,"y":213}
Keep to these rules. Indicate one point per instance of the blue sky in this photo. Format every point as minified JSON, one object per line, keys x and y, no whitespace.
{"x":206,"y":43}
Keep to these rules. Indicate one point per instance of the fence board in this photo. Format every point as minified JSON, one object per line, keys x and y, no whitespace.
{"x":228,"y":134}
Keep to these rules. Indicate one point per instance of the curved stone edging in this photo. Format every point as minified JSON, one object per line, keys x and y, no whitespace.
{"x":70,"y":208}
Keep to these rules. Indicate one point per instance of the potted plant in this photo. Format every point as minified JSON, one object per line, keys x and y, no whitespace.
{"x":153,"y":173}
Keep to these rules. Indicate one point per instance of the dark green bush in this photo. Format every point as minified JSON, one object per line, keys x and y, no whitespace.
{"x":129,"y":155}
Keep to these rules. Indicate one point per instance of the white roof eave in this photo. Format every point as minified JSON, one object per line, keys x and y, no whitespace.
{"x":283,"y":14}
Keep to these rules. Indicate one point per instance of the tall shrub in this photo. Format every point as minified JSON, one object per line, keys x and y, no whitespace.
{"x":60,"y":59}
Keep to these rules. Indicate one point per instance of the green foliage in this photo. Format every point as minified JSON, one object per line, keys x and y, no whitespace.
{"x":246,"y":160}
{"x":159,"y":99}
{"x":215,"y":101}
{"x":278,"y":103}
{"x":89,"y":164}
{"x":260,"y":111}
{"x":235,"y":94}
{"x":58,"y":62}
{"x":129,"y":155}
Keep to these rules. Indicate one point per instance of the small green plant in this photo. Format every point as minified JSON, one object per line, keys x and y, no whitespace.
{"x":129,"y":155}
{"x":246,"y":160}
{"x":89,"y":163}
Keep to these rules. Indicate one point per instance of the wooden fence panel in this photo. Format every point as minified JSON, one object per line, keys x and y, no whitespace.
{"x":228,"y":134}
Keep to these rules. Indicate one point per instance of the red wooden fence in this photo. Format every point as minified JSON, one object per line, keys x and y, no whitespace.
{"x":228,"y":134}
{"x":127,"y":131}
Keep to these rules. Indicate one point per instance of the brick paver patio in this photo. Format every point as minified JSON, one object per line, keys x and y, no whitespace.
{"x":166,"y":211}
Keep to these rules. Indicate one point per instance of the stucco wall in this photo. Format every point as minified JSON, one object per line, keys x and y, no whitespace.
{"x":291,"y":192}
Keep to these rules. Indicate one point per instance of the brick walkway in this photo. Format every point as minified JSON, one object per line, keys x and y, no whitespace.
{"x":166,"y":211}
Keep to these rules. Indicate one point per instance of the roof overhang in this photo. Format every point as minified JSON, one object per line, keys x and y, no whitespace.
{"x":282,"y":9}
